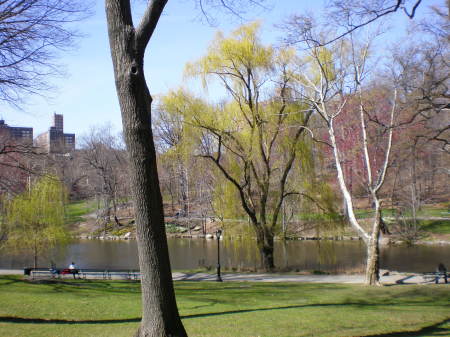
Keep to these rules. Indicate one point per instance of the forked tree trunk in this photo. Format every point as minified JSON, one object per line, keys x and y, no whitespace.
{"x":159,"y":310}
{"x":371,"y":241}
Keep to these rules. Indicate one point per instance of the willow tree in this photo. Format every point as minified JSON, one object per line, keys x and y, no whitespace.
{"x":35,"y":218}
{"x":254,"y":137}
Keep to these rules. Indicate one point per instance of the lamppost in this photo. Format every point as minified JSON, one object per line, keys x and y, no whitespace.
{"x":218,"y":235}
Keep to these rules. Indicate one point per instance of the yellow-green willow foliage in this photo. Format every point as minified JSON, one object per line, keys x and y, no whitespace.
{"x":235,"y":54}
{"x":176,"y":108}
{"x":226,"y":202}
{"x":255,"y":136}
{"x":35,"y":218}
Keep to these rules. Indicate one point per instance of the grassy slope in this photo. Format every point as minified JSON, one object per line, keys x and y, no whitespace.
{"x":105,"y":308}
{"x":77,"y":209}
{"x":426,"y":211}
{"x":435,"y":226}
{"x":428,"y":226}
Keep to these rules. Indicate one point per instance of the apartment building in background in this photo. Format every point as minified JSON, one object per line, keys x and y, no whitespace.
{"x":15,"y":134}
{"x":55,"y":140}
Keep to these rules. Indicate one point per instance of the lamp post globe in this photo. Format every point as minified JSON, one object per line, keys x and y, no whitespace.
{"x":218,"y":235}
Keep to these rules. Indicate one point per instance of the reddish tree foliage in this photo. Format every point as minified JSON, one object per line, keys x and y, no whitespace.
{"x":377,"y":103}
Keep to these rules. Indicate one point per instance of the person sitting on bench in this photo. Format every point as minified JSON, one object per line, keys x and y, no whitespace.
{"x":441,"y":271}
{"x":53,"y":270}
{"x":73,"y":269}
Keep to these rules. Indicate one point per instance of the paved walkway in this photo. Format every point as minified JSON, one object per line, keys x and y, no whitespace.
{"x":11,"y":271}
{"x":391,"y":278}
{"x":270,"y":277}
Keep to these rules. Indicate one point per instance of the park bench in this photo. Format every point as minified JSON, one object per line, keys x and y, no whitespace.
{"x":432,"y":276}
{"x":84,"y":273}
{"x":71,"y":272}
{"x":135,"y":274}
{"x":47,"y":272}
{"x":94,"y":273}
{"x":40,"y":272}
{"x":127,"y":274}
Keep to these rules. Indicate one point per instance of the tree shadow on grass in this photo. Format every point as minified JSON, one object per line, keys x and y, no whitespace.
{"x":14,"y":319}
{"x":437,"y":329}
{"x":11,"y":279}
{"x":103,"y":286}
{"x":23,"y":320}
{"x":79,"y":286}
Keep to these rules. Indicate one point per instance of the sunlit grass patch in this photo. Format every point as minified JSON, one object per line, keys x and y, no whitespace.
{"x":112,"y":308}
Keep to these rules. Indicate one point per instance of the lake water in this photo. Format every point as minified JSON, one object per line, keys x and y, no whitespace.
{"x":334,"y":256}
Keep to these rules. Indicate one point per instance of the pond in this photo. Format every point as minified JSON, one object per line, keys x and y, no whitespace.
{"x":332,"y":256}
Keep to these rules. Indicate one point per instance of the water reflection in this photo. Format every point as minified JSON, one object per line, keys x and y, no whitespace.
{"x":336,"y":256}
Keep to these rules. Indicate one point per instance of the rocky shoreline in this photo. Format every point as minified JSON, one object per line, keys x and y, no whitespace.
{"x":383,"y":242}
{"x":195,"y":228}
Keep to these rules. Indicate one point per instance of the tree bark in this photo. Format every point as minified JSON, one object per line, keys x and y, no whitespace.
{"x":373,"y":246}
{"x":373,"y":258}
{"x":160,"y":315}
{"x":35,"y":255}
{"x":183,"y":182}
{"x":265,"y":243}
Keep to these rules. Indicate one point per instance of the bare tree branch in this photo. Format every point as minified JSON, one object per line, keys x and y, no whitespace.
{"x":31,"y":35}
{"x":353,"y":15}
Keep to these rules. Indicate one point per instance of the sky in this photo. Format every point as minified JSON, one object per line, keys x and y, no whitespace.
{"x":86,"y":95}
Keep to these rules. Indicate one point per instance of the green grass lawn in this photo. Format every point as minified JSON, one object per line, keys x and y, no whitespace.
{"x":435,"y":226}
{"x":112,"y":308}
{"x":75,"y":210}
{"x":426,"y":211}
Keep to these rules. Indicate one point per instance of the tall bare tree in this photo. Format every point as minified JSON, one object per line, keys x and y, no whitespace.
{"x":105,"y":164}
{"x":422,"y":70}
{"x":336,"y":80}
{"x":128,"y":44}
{"x":170,"y":132}
{"x":159,"y":310}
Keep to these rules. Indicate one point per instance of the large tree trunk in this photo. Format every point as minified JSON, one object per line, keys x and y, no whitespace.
{"x":265,"y":243}
{"x":159,"y":310}
{"x":184,"y":193}
{"x":373,"y":248}
{"x":106,"y":209}
{"x":35,"y":255}
{"x":373,"y":262}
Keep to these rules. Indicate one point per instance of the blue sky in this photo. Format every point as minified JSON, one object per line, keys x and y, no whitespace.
{"x":86,"y":95}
